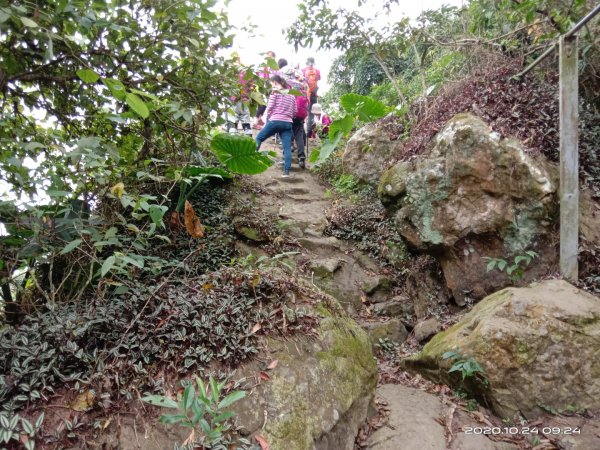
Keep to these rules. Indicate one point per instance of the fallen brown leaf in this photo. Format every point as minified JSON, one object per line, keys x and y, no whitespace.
{"x":192,"y":223}
{"x":255,"y":328}
{"x":264,"y":376}
{"x":264,"y":445}
{"x":273,"y":364}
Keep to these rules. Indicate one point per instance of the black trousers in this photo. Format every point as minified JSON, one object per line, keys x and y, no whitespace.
{"x":299,"y":137}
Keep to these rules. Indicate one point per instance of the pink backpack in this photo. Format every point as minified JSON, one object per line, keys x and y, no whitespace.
{"x":301,"y":107}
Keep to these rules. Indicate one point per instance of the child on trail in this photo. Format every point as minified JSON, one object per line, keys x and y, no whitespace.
{"x":321,"y":122}
{"x":312,"y":75}
{"x":280,"y":112}
{"x":266,"y":74}
{"x":241,"y":112}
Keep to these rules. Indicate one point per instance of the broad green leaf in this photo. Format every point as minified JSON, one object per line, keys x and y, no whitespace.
{"x":189,"y":395}
{"x":88,"y":75}
{"x":231,"y":399}
{"x":365,"y":108}
{"x":193,"y":171}
{"x":28,"y":22}
{"x":272,"y":64}
{"x":344,"y":125}
{"x":4,"y":15}
{"x":238,"y":154}
{"x":33,"y":145}
{"x":160,"y":400}
{"x":27,"y":426}
{"x":314,"y":155}
{"x":223,"y":417}
{"x":144,"y":94}
{"x":171,"y":419}
{"x":137,"y":105}
{"x":39,"y":421}
{"x":134,"y":260}
{"x":49,"y":53}
{"x":117,"y":88}
{"x":156,"y":213}
{"x":257,"y":97}
{"x":327,"y":148}
{"x":107,"y":265}
{"x":71,"y":246}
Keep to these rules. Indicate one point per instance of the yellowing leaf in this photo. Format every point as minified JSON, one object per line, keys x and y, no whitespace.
{"x":192,"y":223}
{"x":83,"y":402}
{"x":118,"y":190}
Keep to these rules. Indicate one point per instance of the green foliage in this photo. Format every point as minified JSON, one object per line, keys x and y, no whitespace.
{"x":107,"y":107}
{"x":468,"y":367}
{"x":367,"y":225}
{"x":385,"y":346}
{"x":355,"y":107}
{"x":137,"y":340}
{"x":363,"y":108}
{"x":238,"y":153}
{"x":515,"y":271}
{"x":14,"y":428}
{"x":204,"y":411}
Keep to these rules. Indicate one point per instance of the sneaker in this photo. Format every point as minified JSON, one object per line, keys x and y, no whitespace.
{"x":285,"y":175}
{"x":302,"y":164}
{"x":280,"y":163}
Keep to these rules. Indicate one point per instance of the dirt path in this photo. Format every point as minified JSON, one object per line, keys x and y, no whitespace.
{"x":413,"y":412}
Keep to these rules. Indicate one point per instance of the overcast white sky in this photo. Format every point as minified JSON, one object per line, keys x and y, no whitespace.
{"x":272,"y":16}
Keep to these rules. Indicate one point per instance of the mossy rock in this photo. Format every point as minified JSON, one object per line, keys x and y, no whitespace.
{"x":319,"y":392}
{"x":539,"y":347}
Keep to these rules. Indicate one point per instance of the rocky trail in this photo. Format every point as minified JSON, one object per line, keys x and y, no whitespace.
{"x":411,"y":413}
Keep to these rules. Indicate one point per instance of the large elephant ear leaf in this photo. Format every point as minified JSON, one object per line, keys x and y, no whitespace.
{"x":238,"y":153}
{"x":365,"y":108}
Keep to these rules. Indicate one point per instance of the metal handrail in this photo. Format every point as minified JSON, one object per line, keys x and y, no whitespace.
{"x":578,"y":26}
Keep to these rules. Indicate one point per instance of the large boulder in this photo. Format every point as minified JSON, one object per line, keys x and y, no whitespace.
{"x":475,"y":195}
{"x":319,"y":393}
{"x":367,"y":150}
{"x":539,"y":347}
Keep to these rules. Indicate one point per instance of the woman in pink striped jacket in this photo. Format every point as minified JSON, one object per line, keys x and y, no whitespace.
{"x":280,"y":113}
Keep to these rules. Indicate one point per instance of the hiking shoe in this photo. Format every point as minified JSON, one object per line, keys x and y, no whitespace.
{"x":302,"y":164}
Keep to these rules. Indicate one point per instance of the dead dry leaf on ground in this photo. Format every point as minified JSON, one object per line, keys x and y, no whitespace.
{"x":264,"y":445}
{"x":192,"y":223}
{"x":273,"y":364}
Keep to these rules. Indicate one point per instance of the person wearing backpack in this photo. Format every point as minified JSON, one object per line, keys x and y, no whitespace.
{"x":296,"y":82}
{"x":280,"y":112}
{"x":312,"y":76}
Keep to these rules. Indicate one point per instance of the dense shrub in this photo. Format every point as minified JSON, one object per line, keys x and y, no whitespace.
{"x":139,"y":338}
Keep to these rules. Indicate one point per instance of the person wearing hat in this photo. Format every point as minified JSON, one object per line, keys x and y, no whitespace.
{"x":312,"y":76}
{"x":321,"y":122}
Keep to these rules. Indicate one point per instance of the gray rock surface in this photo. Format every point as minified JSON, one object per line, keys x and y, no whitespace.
{"x":539,"y":347}
{"x":475,"y":195}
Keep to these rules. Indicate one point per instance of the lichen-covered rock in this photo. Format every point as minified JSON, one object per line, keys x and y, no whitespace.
{"x":426,"y":329}
{"x":392,"y":330}
{"x":366,"y":152}
{"x":539,"y":347}
{"x":475,"y":195}
{"x":320,"y":391}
